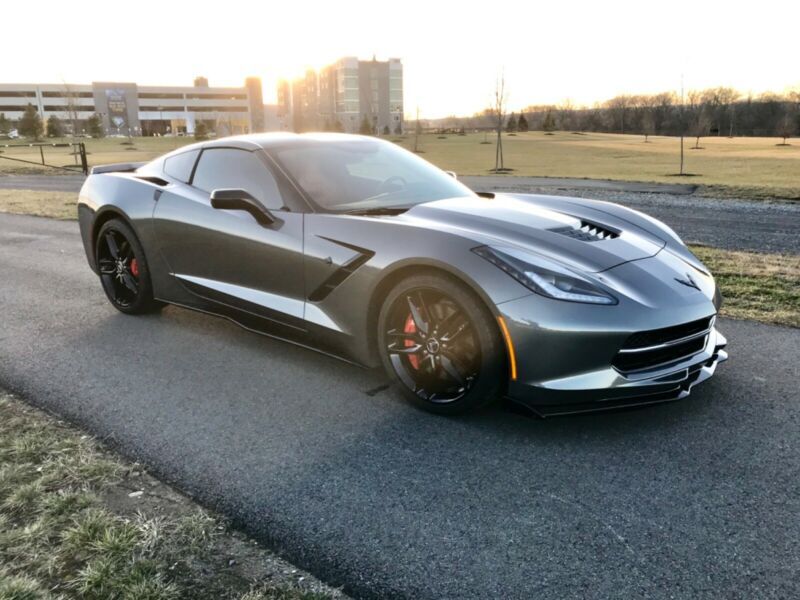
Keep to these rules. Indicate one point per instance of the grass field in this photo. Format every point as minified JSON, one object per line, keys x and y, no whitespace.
{"x":738,"y":167}
{"x":741,"y":167}
{"x":56,"y":205}
{"x":77,"y":522}
{"x":100,"y":152}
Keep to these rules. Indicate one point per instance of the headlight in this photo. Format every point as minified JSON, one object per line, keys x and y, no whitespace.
{"x":553,"y":283}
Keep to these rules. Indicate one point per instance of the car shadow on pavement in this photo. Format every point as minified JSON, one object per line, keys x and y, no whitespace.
{"x":320,"y":461}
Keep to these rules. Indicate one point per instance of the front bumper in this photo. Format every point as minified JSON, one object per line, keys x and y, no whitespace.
{"x":568,"y":369}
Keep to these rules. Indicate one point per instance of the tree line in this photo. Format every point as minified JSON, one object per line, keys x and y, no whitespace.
{"x":30,"y":125}
{"x":718,"y":111}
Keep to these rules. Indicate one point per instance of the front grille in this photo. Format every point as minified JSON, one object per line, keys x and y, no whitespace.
{"x":660,"y":347}
{"x":588,"y":232}
{"x":643,"y":339}
{"x":652,"y":358}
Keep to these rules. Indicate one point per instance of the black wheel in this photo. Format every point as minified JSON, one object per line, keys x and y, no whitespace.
{"x":440,"y":345}
{"x":123,"y":269}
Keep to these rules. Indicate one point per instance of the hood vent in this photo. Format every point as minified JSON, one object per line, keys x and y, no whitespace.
{"x":588,"y":232}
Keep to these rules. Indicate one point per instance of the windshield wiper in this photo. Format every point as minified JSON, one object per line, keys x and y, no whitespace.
{"x":378,"y":210}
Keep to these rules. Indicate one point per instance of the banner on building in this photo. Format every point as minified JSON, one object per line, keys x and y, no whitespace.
{"x":117,"y":109}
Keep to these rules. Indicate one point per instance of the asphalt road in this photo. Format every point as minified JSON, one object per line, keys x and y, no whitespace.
{"x":696,"y":499}
{"x":724,"y":223}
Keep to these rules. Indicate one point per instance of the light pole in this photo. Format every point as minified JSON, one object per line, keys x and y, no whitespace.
{"x":682,"y":124}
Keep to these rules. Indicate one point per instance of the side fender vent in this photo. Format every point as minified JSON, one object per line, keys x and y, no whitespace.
{"x":342,"y":273}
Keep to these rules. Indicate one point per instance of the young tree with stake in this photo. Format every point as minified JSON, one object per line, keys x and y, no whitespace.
{"x":499,"y":114}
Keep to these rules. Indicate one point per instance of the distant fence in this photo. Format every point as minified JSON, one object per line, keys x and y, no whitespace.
{"x":79,"y":152}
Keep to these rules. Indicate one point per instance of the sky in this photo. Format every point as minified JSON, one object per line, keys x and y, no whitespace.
{"x":452,"y":52}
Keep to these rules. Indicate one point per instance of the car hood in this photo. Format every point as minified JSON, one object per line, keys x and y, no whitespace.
{"x":584,"y":238}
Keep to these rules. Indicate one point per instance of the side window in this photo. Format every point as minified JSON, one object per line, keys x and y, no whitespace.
{"x":221,"y":168}
{"x":180,"y":166}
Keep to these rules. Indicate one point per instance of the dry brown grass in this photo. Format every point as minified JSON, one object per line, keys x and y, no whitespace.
{"x":76,"y":522}
{"x":758,"y":286}
{"x":738,"y":167}
{"x":56,"y":205}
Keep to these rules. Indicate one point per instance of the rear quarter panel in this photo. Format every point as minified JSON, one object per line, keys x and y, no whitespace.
{"x":120,"y":195}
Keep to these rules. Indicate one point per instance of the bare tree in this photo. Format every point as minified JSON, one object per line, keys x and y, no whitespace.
{"x":565,"y":115}
{"x":71,"y":107}
{"x":699,"y":121}
{"x":663,"y":110}
{"x":787,"y":124}
{"x":648,"y":125}
{"x":618,"y":107}
{"x":499,"y":113}
{"x":722,"y":101}
{"x":682,"y":119}
{"x":417,"y":131}
{"x":647,"y":106}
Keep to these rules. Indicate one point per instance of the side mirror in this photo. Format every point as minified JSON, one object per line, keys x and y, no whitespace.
{"x":241,"y":200}
{"x":452,"y":174}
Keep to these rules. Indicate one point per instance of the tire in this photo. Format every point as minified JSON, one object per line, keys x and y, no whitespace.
{"x":458,"y":364}
{"x":123,"y":269}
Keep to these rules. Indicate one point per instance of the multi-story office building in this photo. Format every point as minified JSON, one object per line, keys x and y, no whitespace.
{"x":350,"y":95}
{"x":128,"y":108}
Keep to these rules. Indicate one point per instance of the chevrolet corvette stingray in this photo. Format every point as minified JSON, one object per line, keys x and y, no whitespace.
{"x":358,"y":248}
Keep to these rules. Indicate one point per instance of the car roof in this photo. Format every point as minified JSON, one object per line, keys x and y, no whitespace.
{"x":283,"y":139}
{"x":254,"y":141}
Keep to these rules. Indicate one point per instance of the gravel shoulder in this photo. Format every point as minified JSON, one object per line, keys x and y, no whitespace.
{"x":757,"y":225}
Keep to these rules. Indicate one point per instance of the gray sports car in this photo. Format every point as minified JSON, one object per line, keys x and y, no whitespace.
{"x":360,"y":249}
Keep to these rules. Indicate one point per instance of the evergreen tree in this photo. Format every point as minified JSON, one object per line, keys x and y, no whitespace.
{"x":549,"y":123}
{"x":366,"y":127}
{"x":54,"y":127}
{"x":386,"y":130}
{"x":511,"y":125}
{"x":201,"y":131}
{"x":30,"y":125}
{"x":5,"y":124}
{"x":522,"y":123}
{"x":398,"y":130}
{"x":95,"y":126}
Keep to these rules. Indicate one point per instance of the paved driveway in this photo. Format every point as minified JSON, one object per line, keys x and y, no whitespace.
{"x":697,"y":499}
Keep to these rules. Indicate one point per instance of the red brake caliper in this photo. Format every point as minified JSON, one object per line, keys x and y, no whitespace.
{"x":411,"y":328}
{"x":134,"y":267}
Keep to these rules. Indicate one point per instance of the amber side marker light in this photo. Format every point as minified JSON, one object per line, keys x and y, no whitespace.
{"x":512,"y":356}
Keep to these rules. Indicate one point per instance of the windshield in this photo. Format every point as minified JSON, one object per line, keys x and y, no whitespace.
{"x":364,"y":174}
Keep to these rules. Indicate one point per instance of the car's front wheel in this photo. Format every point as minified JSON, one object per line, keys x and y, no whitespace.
{"x":440,"y":345}
{"x":123,"y":269}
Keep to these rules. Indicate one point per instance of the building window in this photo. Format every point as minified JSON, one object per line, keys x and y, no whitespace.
{"x":17,"y":94}
{"x":154,"y":95}
{"x":65,"y":108}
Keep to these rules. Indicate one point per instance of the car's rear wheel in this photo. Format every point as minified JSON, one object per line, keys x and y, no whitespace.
{"x":440,"y":345}
{"x":123,"y":269}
